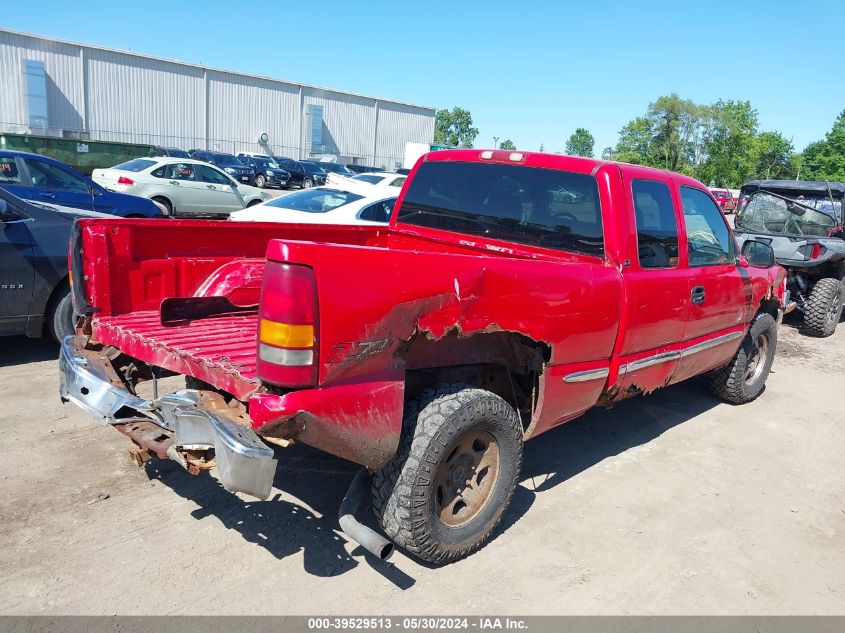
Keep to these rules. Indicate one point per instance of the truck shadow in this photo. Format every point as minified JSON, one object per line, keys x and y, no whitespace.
{"x":574,"y":447}
{"x":19,"y":350}
{"x":304,"y":515}
{"x":301,"y":517}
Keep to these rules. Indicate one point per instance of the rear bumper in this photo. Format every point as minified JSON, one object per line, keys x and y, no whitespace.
{"x":245,"y":463}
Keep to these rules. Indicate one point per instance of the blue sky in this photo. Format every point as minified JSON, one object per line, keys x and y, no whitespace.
{"x":529,"y":71}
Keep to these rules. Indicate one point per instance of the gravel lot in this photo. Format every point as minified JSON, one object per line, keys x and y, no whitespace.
{"x":674,"y":503}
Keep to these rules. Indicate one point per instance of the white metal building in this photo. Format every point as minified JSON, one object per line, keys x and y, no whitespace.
{"x":57,"y":88}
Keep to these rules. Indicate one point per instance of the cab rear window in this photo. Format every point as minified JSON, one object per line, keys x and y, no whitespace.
{"x":527,"y":205}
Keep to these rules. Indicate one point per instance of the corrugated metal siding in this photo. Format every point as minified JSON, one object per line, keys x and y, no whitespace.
{"x":397,"y":125}
{"x":64,"y":81}
{"x":240,"y":108}
{"x":137,"y":99}
{"x":348,"y":122}
{"x":140,"y":100}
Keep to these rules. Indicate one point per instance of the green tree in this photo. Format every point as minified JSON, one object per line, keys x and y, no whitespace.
{"x":635,"y":142}
{"x":580,"y":143}
{"x":825,"y":159}
{"x":507,"y":144}
{"x":454,"y":127}
{"x":675,"y":125}
{"x":728,"y":146}
{"x":772,"y":156}
{"x":607,"y":154}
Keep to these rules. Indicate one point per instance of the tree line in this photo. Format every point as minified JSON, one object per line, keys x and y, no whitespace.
{"x":720,"y":144}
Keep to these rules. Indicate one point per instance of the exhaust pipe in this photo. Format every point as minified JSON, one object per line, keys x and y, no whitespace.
{"x":371,"y":541}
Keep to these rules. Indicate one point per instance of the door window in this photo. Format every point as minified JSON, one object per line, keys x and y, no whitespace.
{"x":181,"y":171}
{"x":708,"y":239}
{"x":49,"y":176}
{"x":657,"y":228}
{"x":9,"y":174}
{"x":207,"y":174}
{"x":378,"y":212}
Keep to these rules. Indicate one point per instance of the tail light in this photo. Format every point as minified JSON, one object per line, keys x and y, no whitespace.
{"x":287,"y":326}
{"x":812,"y":251}
{"x":123,"y":180}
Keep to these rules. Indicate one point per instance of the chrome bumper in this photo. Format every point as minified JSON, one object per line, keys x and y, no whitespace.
{"x":244,"y":462}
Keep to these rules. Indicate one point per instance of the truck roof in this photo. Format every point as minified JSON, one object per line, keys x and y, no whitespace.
{"x":552,"y":161}
{"x":837,"y":189}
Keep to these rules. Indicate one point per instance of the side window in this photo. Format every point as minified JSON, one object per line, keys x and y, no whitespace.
{"x":709,"y":240}
{"x":9,"y":173}
{"x":52,"y":177}
{"x":207,"y":174}
{"x":657,"y":229}
{"x":180,"y":171}
{"x":161,"y":172}
{"x":397,"y":182}
{"x":378,"y":212}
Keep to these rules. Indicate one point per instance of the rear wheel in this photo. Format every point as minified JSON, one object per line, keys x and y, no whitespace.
{"x":165,"y":206}
{"x":453,"y":476}
{"x":824,"y":307}
{"x":260,"y":181}
{"x":744,"y":378}
{"x":60,"y":313}
{"x":307,"y":183}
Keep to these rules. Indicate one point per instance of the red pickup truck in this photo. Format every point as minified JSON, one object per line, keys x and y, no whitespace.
{"x":509,"y":294}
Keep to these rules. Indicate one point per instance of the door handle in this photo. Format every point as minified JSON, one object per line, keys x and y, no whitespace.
{"x":47,"y":195}
{"x":698,"y":294}
{"x":173,"y":182}
{"x":211,"y":186}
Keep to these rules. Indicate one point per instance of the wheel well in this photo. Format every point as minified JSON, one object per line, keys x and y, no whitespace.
{"x":505,"y":363}
{"x":770,"y":307}
{"x":164,"y":200}
{"x":252,"y":203}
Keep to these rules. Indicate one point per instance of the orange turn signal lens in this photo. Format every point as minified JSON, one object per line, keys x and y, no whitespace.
{"x":286,"y":335}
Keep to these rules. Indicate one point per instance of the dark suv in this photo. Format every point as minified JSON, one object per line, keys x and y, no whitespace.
{"x":803,"y":223}
{"x":303,"y":173}
{"x":229,"y":163}
{"x":173,"y":152}
{"x":268,"y":173}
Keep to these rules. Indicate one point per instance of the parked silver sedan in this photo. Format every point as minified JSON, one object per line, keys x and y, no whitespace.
{"x":180,"y":186}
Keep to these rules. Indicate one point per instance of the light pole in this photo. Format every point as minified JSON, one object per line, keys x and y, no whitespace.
{"x":495,"y":142}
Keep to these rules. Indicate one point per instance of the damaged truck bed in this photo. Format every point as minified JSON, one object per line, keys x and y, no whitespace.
{"x":510,"y":293}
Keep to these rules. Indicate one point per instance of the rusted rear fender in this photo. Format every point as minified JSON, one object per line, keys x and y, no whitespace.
{"x":359,"y":421}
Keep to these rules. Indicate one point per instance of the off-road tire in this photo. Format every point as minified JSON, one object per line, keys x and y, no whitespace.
{"x":60,"y":313}
{"x":729,"y":383}
{"x":260,"y":181}
{"x":404,"y":491}
{"x":824,"y":307}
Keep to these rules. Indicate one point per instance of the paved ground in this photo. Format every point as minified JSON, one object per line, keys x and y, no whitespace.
{"x":673,"y":503}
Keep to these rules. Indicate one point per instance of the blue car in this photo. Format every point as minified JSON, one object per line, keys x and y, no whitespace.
{"x":42,"y":179}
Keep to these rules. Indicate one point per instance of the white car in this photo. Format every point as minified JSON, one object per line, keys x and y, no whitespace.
{"x":368,"y":182}
{"x":180,"y":186}
{"x":322,"y":205}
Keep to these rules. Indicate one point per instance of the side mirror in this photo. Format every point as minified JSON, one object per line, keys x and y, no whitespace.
{"x":758,"y":254}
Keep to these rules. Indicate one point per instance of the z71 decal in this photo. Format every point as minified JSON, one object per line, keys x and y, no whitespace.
{"x":357,"y":350}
